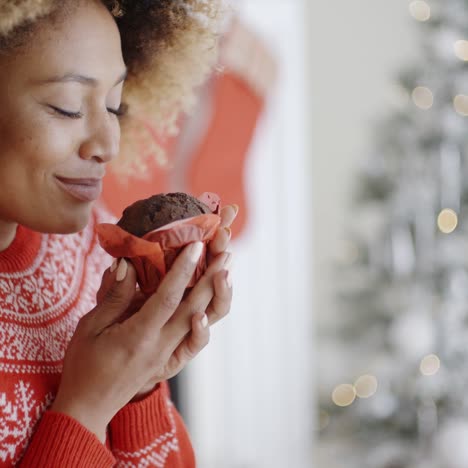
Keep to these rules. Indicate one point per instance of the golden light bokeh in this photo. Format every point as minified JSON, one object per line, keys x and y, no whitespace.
{"x":447,"y":221}
{"x":344,"y":395}
{"x":420,"y":10}
{"x":460,"y":102}
{"x":366,"y":386}
{"x":430,"y":365}
{"x":461,"y":50}
{"x":423,"y":97}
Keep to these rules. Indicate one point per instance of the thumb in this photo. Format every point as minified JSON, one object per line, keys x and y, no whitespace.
{"x":115,"y":295}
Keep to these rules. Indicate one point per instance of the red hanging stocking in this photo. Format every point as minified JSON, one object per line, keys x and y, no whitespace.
{"x":218,"y":163}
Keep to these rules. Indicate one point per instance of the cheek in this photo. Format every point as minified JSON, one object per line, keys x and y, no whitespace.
{"x":32,"y":151}
{"x":35,"y":145}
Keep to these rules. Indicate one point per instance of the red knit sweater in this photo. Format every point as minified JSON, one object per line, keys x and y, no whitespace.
{"x":47,"y":282}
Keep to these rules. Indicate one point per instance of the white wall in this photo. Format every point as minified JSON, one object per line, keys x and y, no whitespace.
{"x":249,"y":394}
{"x":355,"y":48}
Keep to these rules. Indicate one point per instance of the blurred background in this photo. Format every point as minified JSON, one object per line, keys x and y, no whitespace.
{"x":339,"y":128}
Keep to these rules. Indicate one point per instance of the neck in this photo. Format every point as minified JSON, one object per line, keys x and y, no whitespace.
{"x":7,"y":234}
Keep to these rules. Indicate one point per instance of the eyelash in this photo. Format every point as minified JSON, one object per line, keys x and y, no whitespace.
{"x":77,"y":115}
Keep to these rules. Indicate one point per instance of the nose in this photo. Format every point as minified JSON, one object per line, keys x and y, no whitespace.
{"x":102,"y":141}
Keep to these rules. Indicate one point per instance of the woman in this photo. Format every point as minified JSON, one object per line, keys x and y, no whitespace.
{"x":80,"y":385}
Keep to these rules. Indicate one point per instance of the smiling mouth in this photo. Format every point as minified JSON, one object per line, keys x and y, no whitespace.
{"x":84,"y":190}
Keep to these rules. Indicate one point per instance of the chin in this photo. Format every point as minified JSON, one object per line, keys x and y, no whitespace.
{"x":73,"y":228}
{"x":73,"y":221}
{"x":77,"y":224}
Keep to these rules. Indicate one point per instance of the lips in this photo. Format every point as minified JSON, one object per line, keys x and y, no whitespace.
{"x":85,"y":190}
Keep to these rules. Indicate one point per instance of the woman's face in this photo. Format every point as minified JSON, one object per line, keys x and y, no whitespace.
{"x":57,"y":126}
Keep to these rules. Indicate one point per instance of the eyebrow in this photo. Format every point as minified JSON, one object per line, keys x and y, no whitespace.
{"x":85,"y":80}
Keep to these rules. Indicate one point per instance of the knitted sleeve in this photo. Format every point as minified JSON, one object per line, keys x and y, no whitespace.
{"x":60,"y":441}
{"x":151,"y":432}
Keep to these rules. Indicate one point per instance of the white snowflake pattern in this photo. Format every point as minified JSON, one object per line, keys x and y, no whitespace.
{"x":154,"y":454}
{"x":36,"y":317}
{"x":18,"y":418}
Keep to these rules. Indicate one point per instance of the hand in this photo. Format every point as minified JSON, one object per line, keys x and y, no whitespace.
{"x":216,"y":247}
{"x":211,"y":295}
{"x":221,"y":240}
{"x":109,"y":360}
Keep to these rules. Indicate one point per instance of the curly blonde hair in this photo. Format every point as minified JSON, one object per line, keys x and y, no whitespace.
{"x":169,"y":47}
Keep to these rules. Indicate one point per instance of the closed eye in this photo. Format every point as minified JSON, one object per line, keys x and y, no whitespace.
{"x":71,"y":115}
{"x":77,"y":115}
{"x":122,"y":110}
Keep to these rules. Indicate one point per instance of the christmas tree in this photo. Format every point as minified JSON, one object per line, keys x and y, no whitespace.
{"x":400,"y":343}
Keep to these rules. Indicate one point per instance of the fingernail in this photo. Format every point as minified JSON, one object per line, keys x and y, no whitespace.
{"x":121,"y":270}
{"x":228,"y":280}
{"x":236,"y":209}
{"x":204,"y":321}
{"x":229,"y":232}
{"x":228,"y":260}
{"x":195,"y":251}
{"x":114,"y":265}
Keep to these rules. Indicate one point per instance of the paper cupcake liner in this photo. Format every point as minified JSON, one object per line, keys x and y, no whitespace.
{"x":153,"y":254}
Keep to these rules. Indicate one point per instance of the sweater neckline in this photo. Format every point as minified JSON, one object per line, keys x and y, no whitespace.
{"x":21,"y":253}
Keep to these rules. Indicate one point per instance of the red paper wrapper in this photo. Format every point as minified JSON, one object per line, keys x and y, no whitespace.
{"x":153,"y":254}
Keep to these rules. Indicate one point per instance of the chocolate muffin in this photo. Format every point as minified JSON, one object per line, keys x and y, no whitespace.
{"x":152,"y":213}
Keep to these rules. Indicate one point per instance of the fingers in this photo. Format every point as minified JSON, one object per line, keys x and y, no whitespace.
{"x":115,"y":298}
{"x":162,"y":304}
{"x":203,"y":292}
{"x":228,"y":215}
{"x":135,"y":305}
{"x":220,"y":242}
{"x":221,"y":302}
{"x":192,"y":344}
{"x":197,"y":301}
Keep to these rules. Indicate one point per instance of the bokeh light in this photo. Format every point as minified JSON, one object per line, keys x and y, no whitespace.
{"x":460,"y":103}
{"x":447,"y":221}
{"x":420,"y":10}
{"x":430,"y":365}
{"x":344,"y":395}
{"x":423,"y":97}
{"x":366,"y":386}
{"x":461,"y":50}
